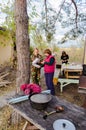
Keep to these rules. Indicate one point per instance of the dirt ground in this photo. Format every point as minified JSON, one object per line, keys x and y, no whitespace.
{"x":70,"y":93}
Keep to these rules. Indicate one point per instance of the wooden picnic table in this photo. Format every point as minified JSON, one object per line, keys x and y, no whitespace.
{"x":73,"y":113}
{"x":72,"y":70}
{"x":71,"y":73}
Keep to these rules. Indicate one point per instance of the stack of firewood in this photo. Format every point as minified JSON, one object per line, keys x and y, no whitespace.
{"x":3,"y":80}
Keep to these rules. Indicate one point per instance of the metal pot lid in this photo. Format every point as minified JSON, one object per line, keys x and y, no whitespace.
{"x":63,"y":124}
{"x":40,"y":98}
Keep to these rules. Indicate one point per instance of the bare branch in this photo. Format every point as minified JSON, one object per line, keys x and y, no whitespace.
{"x":60,"y":8}
{"x":45,"y":2}
{"x":76,"y":12}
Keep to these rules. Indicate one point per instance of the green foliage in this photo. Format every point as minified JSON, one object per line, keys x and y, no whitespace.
{"x":31,"y":50}
{"x":31,"y":27}
{"x":4,"y":33}
{"x":39,"y":41}
{"x":33,"y":13}
{"x":9,"y":23}
{"x":8,"y":9}
{"x":31,"y":10}
{"x":49,"y":37}
{"x":48,"y":23}
{"x":55,"y":48}
{"x":4,"y":36}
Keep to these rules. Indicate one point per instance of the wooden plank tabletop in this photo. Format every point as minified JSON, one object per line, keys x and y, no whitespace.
{"x":73,"y":113}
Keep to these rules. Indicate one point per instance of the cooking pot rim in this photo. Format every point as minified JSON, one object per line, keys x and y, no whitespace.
{"x":40,"y":94}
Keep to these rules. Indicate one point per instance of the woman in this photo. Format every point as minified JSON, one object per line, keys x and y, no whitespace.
{"x":64,"y":57}
{"x":49,"y":68}
{"x":36,"y":59}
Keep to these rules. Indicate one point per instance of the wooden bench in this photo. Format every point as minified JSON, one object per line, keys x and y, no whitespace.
{"x":65,"y":82}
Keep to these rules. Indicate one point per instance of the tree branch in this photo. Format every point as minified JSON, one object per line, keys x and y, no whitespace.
{"x":45,"y":2}
{"x":76,"y":12}
{"x":60,"y":8}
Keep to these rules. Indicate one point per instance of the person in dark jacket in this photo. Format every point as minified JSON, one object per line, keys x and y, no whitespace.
{"x":49,"y":68}
{"x":64,"y":57}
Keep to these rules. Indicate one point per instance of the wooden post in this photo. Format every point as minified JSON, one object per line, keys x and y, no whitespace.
{"x":84,"y":61}
{"x":84,"y":58}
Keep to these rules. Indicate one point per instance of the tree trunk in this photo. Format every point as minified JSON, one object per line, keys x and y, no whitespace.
{"x":22,"y":43}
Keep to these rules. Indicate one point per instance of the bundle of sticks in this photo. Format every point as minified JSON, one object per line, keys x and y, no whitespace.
{"x":3,"y":80}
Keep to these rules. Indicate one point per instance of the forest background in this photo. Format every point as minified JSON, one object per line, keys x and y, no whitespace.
{"x":52,"y":24}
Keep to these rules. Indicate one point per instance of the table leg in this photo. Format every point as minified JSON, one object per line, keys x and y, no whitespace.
{"x":63,"y":84}
{"x":32,"y":128}
{"x":61,"y":87}
{"x":80,"y":72}
{"x":84,"y":104}
{"x":66,"y":74}
{"x":27,"y":126}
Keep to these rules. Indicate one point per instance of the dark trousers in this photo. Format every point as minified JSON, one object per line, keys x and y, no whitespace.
{"x":49,"y":82}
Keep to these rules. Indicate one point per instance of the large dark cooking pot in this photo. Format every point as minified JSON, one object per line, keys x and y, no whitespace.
{"x":40,"y":101}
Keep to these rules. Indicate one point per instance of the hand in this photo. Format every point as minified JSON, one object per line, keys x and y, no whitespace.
{"x":42,"y":62}
{"x":39,"y":67}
